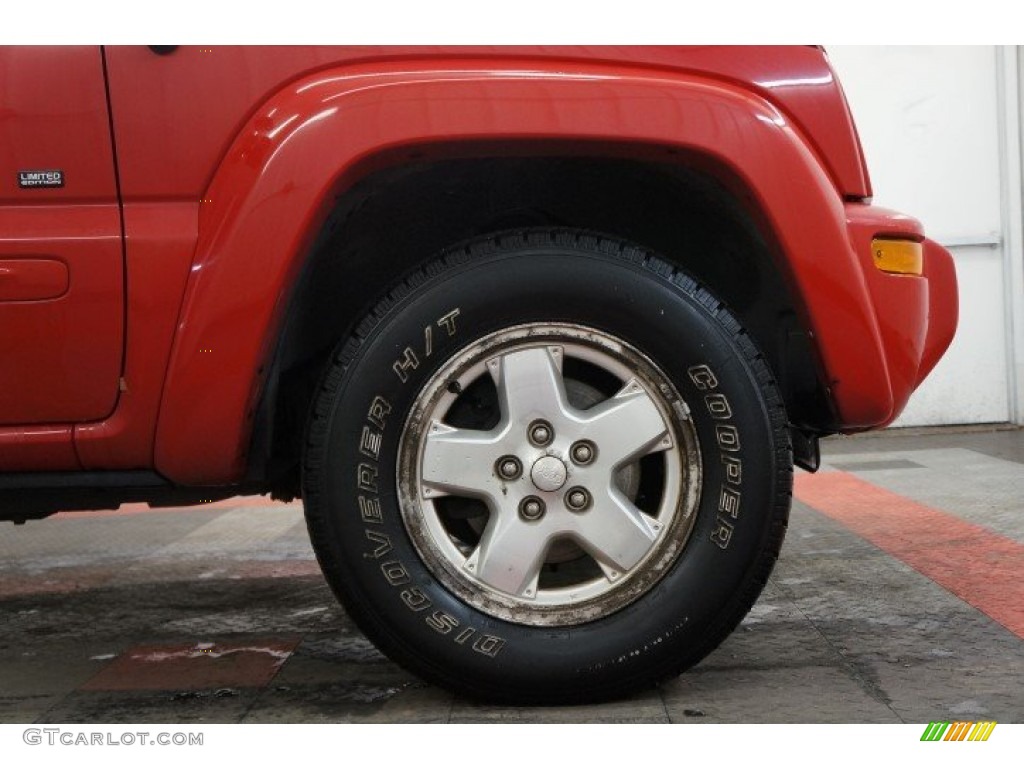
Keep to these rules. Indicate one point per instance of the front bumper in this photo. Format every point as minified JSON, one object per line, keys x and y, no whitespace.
{"x":915,"y":317}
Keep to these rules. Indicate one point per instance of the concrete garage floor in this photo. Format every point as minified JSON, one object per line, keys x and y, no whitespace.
{"x":899,"y":597}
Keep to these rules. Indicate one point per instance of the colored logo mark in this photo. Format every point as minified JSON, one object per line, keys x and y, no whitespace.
{"x":958,"y":731}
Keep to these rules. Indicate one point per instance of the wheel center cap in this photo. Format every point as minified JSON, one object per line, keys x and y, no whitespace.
{"x":548,"y":473}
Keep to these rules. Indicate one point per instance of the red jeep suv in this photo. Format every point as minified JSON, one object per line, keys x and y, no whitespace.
{"x":536,"y":334}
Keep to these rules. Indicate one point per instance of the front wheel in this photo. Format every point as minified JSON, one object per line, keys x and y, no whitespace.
{"x":548,"y":468}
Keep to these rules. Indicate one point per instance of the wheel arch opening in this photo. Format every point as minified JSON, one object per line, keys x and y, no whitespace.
{"x":408,"y":205}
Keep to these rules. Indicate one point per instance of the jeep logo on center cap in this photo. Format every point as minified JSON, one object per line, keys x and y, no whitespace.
{"x":548,"y":473}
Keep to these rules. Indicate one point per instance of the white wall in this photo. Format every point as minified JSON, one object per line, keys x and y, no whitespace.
{"x":931,"y":121}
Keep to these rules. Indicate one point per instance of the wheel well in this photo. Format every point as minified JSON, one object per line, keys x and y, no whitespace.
{"x":397,"y":218}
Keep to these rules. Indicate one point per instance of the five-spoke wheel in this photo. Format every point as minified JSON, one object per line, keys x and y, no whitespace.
{"x":528,"y":452}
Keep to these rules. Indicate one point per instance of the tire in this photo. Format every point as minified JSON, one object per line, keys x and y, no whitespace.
{"x":465,"y":530}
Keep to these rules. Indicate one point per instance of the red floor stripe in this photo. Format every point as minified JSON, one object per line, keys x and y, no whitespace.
{"x":980,"y":567}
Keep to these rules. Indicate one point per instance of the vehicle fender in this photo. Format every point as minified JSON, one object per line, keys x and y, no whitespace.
{"x":308,"y":143}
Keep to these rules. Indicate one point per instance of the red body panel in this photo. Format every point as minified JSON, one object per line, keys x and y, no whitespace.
{"x":943,"y":305}
{"x":159,"y":239}
{"x":62,"y":355}
{"x":176,"y":115}
{"x":53,"y":115}
{"x":30,"y":449}
{"x":308,"y":143}
{"x":61,"y":280}
{"x":32,"y":279}
{"x":900,"y":303}
{"x":230,"y":158}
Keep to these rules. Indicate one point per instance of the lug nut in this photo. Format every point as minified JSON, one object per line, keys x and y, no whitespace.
{"x":541,"y":433}
{"x":508,"y":467}
{"x":531,"y":508}
{"x":577,"y":499}
{"x":583,"y":452}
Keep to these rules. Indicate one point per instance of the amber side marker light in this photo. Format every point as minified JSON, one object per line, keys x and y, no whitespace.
{"x":898,"y":257}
